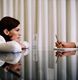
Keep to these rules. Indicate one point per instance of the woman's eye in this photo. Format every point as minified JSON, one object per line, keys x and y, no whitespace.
{"x":17,"y":29}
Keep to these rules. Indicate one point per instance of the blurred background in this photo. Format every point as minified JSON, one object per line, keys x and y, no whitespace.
{"x":41,"y":21}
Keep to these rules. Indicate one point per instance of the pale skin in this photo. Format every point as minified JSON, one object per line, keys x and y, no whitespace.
{"x":62,"y":44}
{"x":65,"y":44}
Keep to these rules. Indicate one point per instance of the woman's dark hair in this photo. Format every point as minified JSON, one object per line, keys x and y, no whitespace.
{"x":8,"y":23}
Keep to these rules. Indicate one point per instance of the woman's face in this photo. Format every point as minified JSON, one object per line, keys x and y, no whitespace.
{"x":15,"y":33}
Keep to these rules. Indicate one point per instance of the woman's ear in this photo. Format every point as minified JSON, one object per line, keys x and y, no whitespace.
{"x":6,"y":32}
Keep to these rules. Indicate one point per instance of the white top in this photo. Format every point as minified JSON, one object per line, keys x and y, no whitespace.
{"x":2,"y":40}
{"x":11,"y":51}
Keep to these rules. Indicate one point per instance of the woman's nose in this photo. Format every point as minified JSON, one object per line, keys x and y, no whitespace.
{"x":19,"y":34}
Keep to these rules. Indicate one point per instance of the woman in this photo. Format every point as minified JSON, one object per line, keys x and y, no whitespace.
{"x":9,"y":41}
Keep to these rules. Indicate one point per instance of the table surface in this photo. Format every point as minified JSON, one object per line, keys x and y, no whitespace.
{"x":66,"y":63}
{"x":60,"y":52}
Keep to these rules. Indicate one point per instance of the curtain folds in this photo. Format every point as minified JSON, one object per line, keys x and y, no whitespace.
{"x":41,"y":21}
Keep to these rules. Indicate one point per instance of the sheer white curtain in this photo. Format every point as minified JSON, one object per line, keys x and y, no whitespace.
{"x":40,"y":21}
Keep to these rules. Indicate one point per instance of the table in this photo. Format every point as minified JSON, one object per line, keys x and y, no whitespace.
{"x":66,"y":63}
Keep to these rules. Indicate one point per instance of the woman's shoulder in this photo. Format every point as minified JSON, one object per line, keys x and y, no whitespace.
{"x":2,"y":40}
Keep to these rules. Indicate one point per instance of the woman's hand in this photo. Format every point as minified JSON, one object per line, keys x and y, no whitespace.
{"x":21,"y":44}
{"x":65,"y":45}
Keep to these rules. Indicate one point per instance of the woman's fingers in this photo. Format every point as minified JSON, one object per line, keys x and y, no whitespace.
{"x":59,"y":44}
